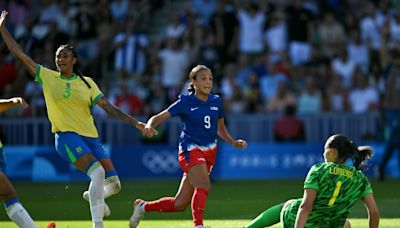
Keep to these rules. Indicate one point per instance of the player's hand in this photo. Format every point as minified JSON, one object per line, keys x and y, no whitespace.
{"x":3,"y":18}
{"x":19,"y":100}
{"x":240,"y":143}
{"x":149,"y":131}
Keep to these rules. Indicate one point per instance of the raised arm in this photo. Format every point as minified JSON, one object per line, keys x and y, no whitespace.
{"x":373,"y":212}
{"x":224,"y":134}
{"x":116,"y":113}
{"x":8,"y":103}
{"x":14,"y":48}
{"x":305,"y":208}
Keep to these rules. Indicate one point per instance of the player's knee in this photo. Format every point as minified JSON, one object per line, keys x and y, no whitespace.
{"x":180,"y":205}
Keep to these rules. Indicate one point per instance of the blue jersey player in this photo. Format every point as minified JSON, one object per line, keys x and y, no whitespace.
{"x":202,"y":118}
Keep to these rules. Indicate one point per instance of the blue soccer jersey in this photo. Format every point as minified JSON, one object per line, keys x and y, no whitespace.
{"x":199,"y":120}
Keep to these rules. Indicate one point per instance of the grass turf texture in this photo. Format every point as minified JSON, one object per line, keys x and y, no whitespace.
{"x":230,"y":203}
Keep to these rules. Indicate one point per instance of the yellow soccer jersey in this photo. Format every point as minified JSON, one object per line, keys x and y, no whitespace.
{"x":68,"y":101}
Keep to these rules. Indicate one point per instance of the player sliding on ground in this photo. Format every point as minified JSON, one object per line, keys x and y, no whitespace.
{"x":330,"y":191}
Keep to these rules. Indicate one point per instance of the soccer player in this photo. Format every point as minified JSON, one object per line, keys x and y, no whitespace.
{"x":330,"y":191}
{"x":202,"y":118}
{"x":15,"y":211}
{"x":69,"y":96}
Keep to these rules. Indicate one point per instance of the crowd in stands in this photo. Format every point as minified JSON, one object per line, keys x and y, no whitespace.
{"x":318,"y":56}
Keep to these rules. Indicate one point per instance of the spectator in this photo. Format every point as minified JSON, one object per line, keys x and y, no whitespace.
{"x":336,"y":99}
{"x":358,"y":51}
{"x":343,"y":66}
{"x":331,"y":35}
{"x":363,"y":98}
{"x":289,"y":128}
{"x":299,"y":29}
{"x":310,"y":100}
{"x":251,"y":25}
{"x":281,"y":99}
{"x":8,"y":71}
{"x":174,"y":61}
{"x":130,"y":49}
{"x":225,"y":28}
{"x":276,"y":35}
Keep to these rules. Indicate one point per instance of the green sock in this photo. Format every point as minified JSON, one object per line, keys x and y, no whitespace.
{"x":269,"y":217}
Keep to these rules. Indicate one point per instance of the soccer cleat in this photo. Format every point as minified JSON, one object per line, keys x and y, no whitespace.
{"x":107,"y":210}
{"x":138,"y":213}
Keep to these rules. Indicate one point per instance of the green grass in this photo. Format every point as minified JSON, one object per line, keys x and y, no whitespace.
{"x":356,"y":223}
{"x":230,"y":203}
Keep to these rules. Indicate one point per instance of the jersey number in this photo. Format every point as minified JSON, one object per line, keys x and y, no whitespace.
{"x":207,"y":122}
{"x":335,"y":193}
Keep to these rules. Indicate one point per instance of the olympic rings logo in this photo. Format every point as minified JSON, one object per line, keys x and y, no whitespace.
{"x":160,"y":162}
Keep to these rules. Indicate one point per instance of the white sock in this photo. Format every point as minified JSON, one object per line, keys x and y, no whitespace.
{"x":112,"y":186}
{"x":96,"y":194}
{"x":17,"y":213}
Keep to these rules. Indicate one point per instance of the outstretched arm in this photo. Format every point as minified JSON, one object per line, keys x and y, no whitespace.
{"x":373,"y":212}
{"x":305,"y":207}
{"x":154,"y":121}
{"x":116,"y":113}
{"x":14,"y":48}
{"x":8,"y":103}
{"x":224,"y":134}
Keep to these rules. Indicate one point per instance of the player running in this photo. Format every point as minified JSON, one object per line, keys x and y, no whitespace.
{"x":202,"y":118}
{"x":69,"y":96}
{"x":330,"y":191}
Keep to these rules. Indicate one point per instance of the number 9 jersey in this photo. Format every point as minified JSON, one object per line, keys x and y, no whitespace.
{"x":338,"y":187}
{"x":199,"y":121}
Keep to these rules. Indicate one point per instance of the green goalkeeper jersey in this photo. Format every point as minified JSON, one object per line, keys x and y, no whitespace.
{"x":338,"y":187}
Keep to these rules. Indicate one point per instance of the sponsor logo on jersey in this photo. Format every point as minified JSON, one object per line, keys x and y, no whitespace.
{"x":193,"y":109}
{"x":214,"y":108}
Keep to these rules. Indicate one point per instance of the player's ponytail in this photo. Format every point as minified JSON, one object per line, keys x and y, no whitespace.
{"x":75,"y":68}
{"x":347,"y":148}
{"x":360,"y":154}
{"x":192,"y":76}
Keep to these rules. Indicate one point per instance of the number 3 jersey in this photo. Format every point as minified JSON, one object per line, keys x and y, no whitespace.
{"x":338,"y":188}
{"x":68,"y":101}
{"x":199,"y":121}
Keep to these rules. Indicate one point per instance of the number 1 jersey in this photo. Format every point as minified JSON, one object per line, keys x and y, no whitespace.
{"x":338,"y":187}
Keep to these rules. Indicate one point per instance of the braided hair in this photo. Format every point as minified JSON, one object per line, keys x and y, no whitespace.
{"x":192,"y":76}
{"x":75,"y":68}
{"x":347,"y":148}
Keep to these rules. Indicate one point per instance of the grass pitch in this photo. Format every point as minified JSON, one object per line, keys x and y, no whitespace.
{"x":230,"y":204}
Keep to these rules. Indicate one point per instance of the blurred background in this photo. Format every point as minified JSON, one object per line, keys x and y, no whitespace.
{"x":291,"y":73}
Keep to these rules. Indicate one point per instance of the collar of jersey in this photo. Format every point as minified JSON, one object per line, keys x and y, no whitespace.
{"x":73,"y":77}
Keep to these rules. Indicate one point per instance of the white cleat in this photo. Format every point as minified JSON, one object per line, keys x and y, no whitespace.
{"x":138,"y":213}
{"x":107,"y":210}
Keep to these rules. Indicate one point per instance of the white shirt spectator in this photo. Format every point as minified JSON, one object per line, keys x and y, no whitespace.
{"x":370,"y":32}
{"x":360,"y":99}
{"x":358,"y":54}
{"x":251,"y":32}
{"x":174,"y":64}
{"x":276,"y":38}
{"x":345,"y":69}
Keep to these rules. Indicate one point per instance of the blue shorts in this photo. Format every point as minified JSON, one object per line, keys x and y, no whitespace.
{"x":71,"y":146}
{"x":2,"y":161}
